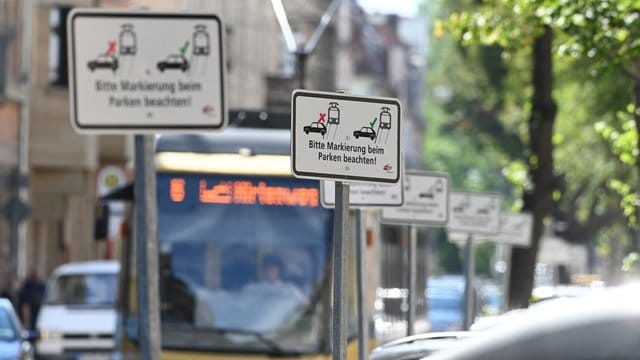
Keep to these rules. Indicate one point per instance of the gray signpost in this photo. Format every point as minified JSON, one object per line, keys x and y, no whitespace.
{"x":147,"y":80}
{"x":363,"y":196}
{"x":473,"y":213}
{"x":515,"y":230}
{"x":426,"y":203}
{"x":341,"y":137}
{"x":361,"y":298}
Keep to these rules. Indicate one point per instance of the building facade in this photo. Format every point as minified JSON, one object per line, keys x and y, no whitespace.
{"x":66,"y":170}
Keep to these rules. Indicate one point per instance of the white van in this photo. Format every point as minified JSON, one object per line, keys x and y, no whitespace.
{"x":78,"y":315}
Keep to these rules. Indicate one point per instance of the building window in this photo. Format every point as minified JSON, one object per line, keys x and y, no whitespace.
{"x":58,"y":71}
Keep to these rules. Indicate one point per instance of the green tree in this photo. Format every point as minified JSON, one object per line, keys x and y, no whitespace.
{"x":494,"y":94}
{"x":513,"y":24}
{"x":607,"y":34}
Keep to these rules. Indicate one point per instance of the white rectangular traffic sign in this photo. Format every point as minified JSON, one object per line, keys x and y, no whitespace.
{"x":363,"y":195}
{"x":345,"y":138}
{"x":515,"y":230}
{"x":426,"y":200}
{"x":141,"y":71}
{"x":474,"y":213}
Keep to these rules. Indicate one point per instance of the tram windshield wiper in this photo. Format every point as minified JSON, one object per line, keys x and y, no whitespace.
{"x":272,"y":345}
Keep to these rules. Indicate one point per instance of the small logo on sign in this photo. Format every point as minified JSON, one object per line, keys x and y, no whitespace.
{"x":387,"y":167}
{"x":208,"y":110}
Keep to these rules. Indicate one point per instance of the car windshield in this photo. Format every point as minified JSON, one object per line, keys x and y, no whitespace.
{"x":8,"y":330}
{"x":83,"y":290}
{"x":243,"y":262}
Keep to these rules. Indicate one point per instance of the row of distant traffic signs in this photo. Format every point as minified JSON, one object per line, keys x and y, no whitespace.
{"x":357,"y":139}
{"x":424,"y":199}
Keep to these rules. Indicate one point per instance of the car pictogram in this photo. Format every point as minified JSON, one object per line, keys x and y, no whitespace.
{"x":174,"y":61}
{"x":365,"y":131}
{"x":428,"y":195}
{"x":104,"y":62}
{"x":315,"y":127}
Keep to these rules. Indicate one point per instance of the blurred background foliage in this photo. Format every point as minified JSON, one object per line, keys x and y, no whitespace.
{"x":480,"y":98}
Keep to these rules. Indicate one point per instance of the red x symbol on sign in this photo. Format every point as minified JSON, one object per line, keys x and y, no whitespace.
{"x":112,"y":48}
{"x":321,"y":119}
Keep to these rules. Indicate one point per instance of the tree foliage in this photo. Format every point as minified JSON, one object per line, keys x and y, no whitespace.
{"x":596,"y":44}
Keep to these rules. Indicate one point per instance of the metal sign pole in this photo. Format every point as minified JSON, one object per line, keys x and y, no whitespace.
{"x":340,"y":234}
{"x":363,"y":323}
{"x":411,"y":283}
{"x":147,"y":248}
{"x":507,"y":277}
{"x":468,"y":283}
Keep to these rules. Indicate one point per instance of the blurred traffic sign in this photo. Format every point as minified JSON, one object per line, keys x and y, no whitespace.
{"x":144,"y":71}
{"x":345,"y":138}
{"x":13,"y":179}
{"x":474,"y":213}
{"x":515,"y":230}
{"x":22,"y":210}
{"x":426,"y":200}
{"x":363,"y":195}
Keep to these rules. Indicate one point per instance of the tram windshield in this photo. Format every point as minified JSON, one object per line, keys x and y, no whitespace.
{"x":243,"y":262}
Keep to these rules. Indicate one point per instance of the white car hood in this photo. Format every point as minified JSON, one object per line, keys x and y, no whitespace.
{"x":76,"y":319}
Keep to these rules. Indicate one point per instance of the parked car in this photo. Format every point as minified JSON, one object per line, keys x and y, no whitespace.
{"x":104,"y":62}
{"x":14,"y":341}
{"x":78,"y":315}
{"x":446,"y":302}
{"x":604,"y":325}
{"x":315,"y":127}
{"x":366,"y":132}
{"x":174,"y":61}
{"x":418,"y":346}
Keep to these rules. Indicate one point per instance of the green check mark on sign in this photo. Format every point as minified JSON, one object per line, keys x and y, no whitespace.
{"x":373,"y":122}
{"x":184,"y":48}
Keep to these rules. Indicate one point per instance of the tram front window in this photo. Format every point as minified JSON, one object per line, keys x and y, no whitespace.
{"x":242,"y":260}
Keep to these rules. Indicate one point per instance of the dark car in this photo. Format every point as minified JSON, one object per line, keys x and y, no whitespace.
{"x":365,"y":132}
{"x":417,"y":346}
{"x":14,"y":342}
{"x":605,"y":325}
{"x":315,"y":127}
{"x":104,"y":62}
{"x":174,"y":62}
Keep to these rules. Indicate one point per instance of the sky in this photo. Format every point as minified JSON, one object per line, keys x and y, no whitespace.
{"x":405,"y":8}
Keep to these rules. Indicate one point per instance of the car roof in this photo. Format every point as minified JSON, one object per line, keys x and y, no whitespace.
{"x":230,"y":140}
{"x":601,"y":326}
{"x":8,"y":306}
{"x":89,"y":267}
{"x":5,"y":303}
{"x":415,"y":346}
{"x":430,"y":336}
